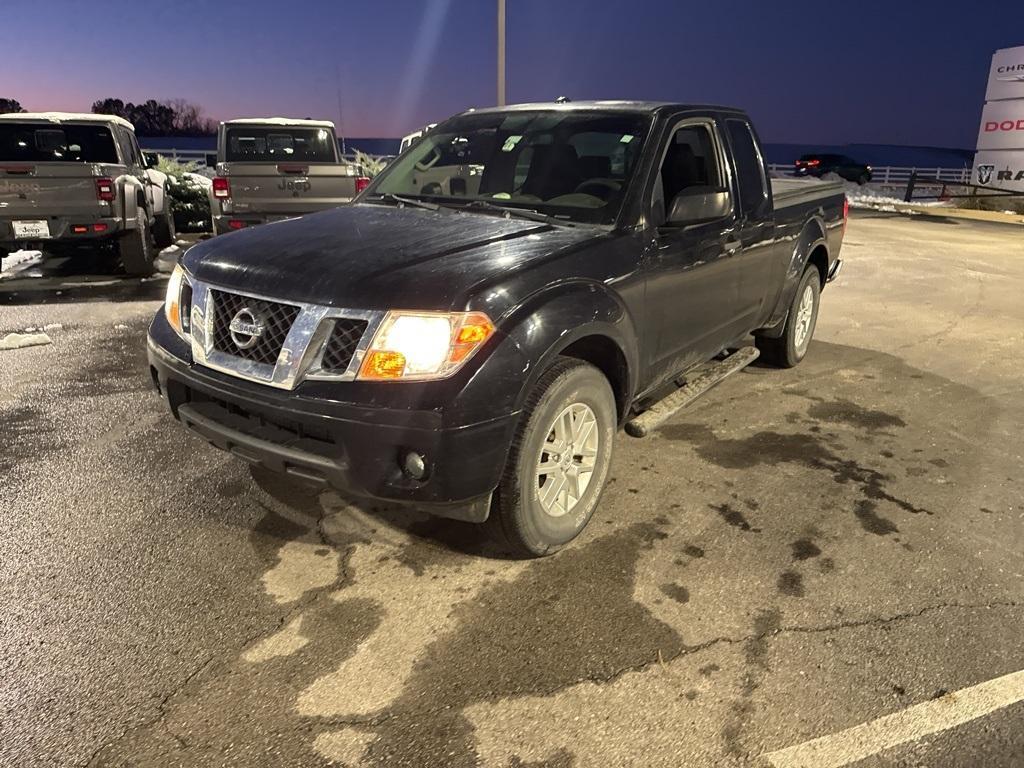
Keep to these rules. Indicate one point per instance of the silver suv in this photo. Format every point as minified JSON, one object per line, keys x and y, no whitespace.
{"x":276,"y":168}
{"x":74,"y":180}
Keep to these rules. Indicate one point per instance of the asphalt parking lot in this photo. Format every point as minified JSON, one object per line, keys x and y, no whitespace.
{"x":832,"y":551}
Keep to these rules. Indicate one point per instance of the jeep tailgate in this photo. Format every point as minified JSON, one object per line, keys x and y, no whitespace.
{"x":289,"y":189}
{"x":43,"y":190}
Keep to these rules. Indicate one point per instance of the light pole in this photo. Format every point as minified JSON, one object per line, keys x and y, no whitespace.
{"x":501,"y":53}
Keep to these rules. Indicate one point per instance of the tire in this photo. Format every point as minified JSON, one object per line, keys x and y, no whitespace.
{"x":863,"y":179}
{"x":790,"y":348}
{"x":135,"y":250}
{"x":163,"y":231}
{"x":530,"y":523}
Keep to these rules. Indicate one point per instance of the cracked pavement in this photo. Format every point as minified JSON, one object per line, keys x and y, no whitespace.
{"x":796,"y":553}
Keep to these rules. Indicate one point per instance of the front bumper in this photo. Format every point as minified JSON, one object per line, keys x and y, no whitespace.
{"x":354,"y":448}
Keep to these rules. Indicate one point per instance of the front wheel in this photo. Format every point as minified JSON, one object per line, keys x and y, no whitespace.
{"x":559,"y":459}
{"x":789,"y":348}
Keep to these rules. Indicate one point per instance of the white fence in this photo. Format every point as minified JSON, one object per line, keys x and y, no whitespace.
{"x":891,"y":174}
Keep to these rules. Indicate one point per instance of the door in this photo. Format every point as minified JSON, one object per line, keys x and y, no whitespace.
{"x":692,"y":273}
{"x":759,"y":259}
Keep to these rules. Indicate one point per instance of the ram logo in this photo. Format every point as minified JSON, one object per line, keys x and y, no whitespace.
{"x":985,"y":173}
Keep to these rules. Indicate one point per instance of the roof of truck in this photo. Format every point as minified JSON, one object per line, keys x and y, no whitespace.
{"x":279,"y":121}
{"x":68,"y":117}
{"x":610,"y":106}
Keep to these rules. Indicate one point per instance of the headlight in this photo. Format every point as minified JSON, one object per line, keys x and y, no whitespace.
{"x":178,"y":301}
{"x":424,"y":345}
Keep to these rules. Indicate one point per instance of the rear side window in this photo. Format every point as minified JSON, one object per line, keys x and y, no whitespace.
{"x":25,"y":142}
{"x":749,"y":168}
{"x":279,"y":144}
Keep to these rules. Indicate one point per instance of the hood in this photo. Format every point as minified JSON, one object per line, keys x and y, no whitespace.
{"x":377,"y":257}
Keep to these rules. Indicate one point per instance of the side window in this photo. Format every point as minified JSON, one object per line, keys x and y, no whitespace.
{"x":125,"y":145}
{"x":690,"y":167}
{"x":136,"y":150}
{"x":749,"y":168}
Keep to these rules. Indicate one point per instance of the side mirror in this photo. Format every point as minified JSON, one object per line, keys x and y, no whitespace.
{"x":211,"y":160}
{"x":697,"y":204}
{"x":151,"y":159}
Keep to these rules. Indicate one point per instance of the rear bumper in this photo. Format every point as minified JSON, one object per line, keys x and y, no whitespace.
{"x":350,"y":447}
{"x":60,"y":230}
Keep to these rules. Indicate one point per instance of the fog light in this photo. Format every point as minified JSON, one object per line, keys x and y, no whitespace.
{"x":415,"y":465}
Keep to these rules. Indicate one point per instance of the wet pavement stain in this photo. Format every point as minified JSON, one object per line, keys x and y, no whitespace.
{"x":755,"y":653}
{"x":854,"y":415}
{"x":234,"y":713}
{"x":561,"y":759}
{"x":496,"y":648}
{"x":804,"y":549}
{"x":791,"y":584}
{"x":774,"y":448}
{"x":871,"y":521}
{"x":693,"y":551}
{"x":676,"y":592}
{"x":734,"y":517}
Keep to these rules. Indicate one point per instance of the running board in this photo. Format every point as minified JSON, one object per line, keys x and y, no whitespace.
{"x":709,"y":376}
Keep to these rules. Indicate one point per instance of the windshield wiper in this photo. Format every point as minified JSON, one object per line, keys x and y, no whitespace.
{"x":513,"y":212}
{"x":400,"y":200}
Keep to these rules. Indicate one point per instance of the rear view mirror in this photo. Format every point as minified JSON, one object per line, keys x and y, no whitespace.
{"x":698,"y":204}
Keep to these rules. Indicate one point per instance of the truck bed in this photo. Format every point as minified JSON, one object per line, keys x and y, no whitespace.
{"x":790,"y":192}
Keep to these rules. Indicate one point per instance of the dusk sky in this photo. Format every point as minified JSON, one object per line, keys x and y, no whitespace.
{"x":822,"y":72}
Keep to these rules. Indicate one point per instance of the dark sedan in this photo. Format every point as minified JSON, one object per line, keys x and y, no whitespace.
{"x":841,"y":165}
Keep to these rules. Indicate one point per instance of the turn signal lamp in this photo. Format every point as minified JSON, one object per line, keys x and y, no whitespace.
{"x":172,"y":301}
{"x":419,"y":346}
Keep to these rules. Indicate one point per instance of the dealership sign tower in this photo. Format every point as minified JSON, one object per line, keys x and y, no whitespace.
{"x":999,"y":161}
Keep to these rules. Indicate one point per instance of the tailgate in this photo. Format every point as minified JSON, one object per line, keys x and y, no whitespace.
{"x":44,"y":190}
{"x":289,"y":188}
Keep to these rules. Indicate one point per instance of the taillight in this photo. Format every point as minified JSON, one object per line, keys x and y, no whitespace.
{"x":362,"y":182}
{"x":105,"y":190}
{"x":846,"y":212}
{"x":221,"y":188}
{"x":813,"y":163}
{"x":236,"y":224}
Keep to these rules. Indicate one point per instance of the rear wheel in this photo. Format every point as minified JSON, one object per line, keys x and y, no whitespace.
{"x":789,"y":348}
{"x":135,"y":249}
{"x":559,"y":460}
{"x":163,"y":231}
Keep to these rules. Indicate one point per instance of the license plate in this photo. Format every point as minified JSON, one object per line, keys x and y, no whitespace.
{"x":31,"y":230}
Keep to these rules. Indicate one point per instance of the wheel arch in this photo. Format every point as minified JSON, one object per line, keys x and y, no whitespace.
{"x":584,"y":321}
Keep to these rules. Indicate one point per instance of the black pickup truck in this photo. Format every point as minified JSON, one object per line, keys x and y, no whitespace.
{"x":470,"y":333}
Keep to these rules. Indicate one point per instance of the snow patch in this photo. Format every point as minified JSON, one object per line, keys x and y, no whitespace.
{"x":22,"y":340}
{"x":18,"y":261}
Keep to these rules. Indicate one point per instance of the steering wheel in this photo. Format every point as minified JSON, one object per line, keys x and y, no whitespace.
{"x":602,"y":188}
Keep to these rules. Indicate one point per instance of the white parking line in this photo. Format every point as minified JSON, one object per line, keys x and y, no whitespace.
{"x":940,"y":714}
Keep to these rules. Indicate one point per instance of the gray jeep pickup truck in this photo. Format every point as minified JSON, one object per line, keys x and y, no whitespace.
{"x":74,"y":181}
{"x":275,"y":168}
{"x":468,"y":336}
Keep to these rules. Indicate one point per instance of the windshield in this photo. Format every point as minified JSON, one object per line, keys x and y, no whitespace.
{"x":258,"y":144}
{"x":57,"y":143}
{"x":573,"y":165}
